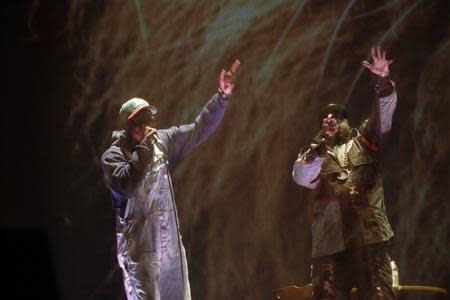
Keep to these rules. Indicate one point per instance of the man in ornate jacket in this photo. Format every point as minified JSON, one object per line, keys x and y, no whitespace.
{"x":350,"y":229}
{"x":137,"y":171}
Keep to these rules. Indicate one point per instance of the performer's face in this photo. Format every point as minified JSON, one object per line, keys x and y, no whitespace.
{"x":333,"y":127}
{"x":137,"y":132}
{"x":137,"y":126}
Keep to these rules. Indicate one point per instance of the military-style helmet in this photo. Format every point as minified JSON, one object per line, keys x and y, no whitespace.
{"x":338,"y":111}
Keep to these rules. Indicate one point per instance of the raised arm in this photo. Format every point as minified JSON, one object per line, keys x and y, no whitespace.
{"x":380,"y":120}
{"x":181,"y":140}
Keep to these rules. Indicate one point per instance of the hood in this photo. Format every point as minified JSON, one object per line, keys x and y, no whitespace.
{"x":120,"y":138}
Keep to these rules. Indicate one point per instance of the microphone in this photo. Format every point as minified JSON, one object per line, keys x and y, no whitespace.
{"x":151,"y":132}
{"x":318,"y":140}
{"x":317,"y":143}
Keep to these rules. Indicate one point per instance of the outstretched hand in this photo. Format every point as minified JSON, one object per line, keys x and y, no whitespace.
{"x":227,"y":79}
{"x":379,"y":65}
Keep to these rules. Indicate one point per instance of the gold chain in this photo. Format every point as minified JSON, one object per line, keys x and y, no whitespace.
{"x":344,"y":162}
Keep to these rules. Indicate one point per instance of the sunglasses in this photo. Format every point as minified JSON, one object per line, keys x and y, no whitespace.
{"x":144,"y":117}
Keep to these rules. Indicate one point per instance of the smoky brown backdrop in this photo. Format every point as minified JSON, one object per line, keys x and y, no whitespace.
{"x":245,"y":223}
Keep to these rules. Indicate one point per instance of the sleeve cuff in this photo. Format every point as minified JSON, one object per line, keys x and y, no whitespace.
{"x":383,"y":86}
{"x":222,"y":94}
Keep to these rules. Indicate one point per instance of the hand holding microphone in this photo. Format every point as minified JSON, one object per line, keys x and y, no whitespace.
{"x":150,"y":135}
{"x":318,"y":147}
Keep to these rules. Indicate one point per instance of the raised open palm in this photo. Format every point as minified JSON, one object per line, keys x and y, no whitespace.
{"x":227,"y":79}
{"x":379,"y":65}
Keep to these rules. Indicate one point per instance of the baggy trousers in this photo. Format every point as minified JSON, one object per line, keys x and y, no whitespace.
{"x":367,"y":268}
